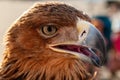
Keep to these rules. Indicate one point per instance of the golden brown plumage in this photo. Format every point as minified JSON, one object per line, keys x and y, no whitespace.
{"x":27,"y":54}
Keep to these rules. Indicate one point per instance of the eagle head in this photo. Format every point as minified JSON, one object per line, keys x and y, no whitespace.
{"x":52,"y":41}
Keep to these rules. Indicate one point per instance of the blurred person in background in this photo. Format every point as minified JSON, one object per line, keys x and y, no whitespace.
{"x":114,"y":13}
{"x":109,"y":26}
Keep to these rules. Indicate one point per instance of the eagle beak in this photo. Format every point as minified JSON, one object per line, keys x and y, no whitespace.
{"x":90,"y":46}
{"x":90,"y":37}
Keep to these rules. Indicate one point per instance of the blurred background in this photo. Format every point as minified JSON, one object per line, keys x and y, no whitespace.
{"x":105,"y":15}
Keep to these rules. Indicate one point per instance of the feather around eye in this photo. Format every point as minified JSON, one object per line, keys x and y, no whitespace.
{"x":48,"y":30}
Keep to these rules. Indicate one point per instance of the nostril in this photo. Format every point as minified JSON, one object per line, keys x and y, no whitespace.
{"x":83,"y":33}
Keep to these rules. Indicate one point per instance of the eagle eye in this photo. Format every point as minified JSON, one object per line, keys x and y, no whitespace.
{"x":48,"y":30}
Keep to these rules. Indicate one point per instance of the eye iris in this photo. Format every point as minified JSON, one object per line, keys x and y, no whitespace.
{"x":49,"y":29}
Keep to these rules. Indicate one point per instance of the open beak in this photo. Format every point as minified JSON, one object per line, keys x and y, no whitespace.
{"x":90,"y":46}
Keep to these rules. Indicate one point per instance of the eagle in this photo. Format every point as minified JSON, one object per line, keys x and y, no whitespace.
{"x":52,"y":41}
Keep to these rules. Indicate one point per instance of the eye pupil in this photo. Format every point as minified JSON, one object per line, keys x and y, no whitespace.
{"x":49,"y":28}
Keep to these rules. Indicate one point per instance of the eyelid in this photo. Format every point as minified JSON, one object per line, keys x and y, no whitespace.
{"x":44,"y":24}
